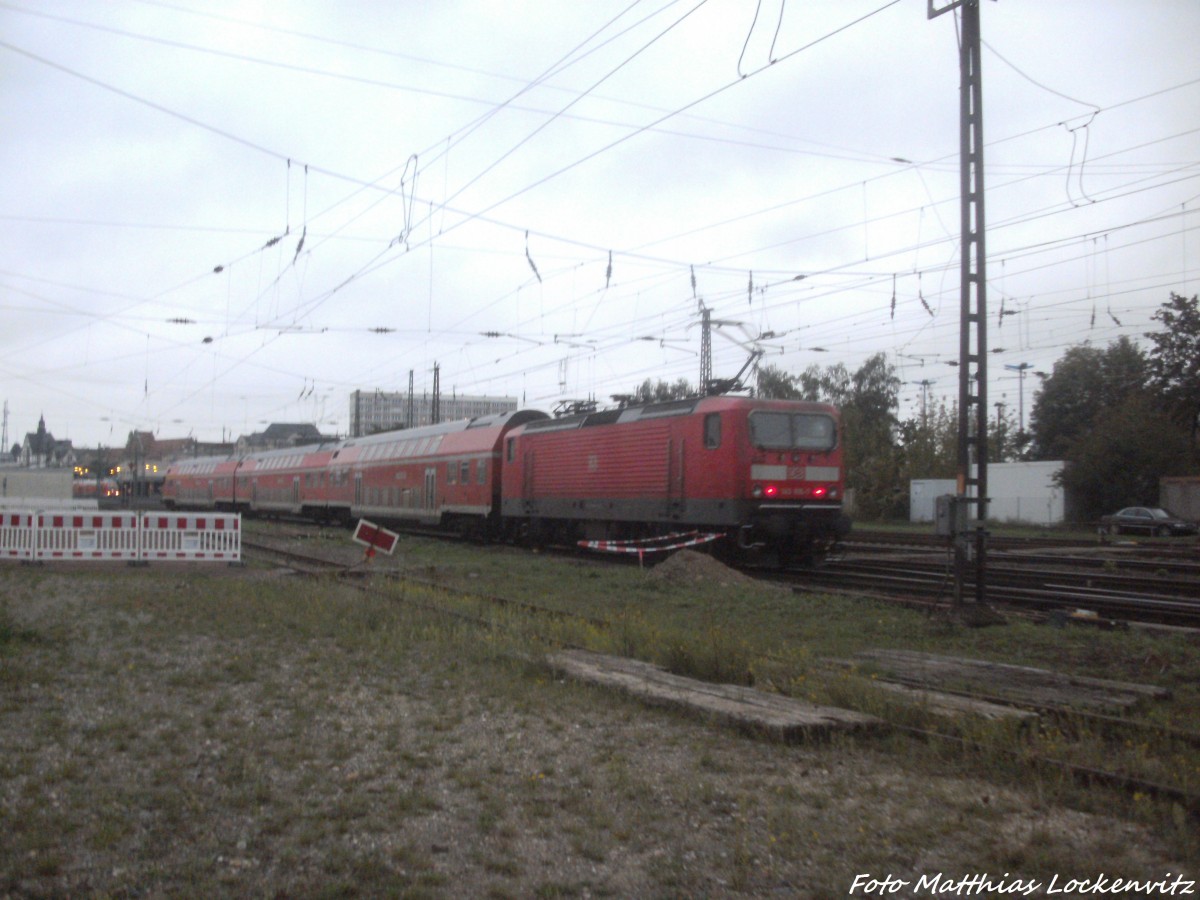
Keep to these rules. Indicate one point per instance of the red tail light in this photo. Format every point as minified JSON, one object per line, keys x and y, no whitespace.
{"x":771,"y":490}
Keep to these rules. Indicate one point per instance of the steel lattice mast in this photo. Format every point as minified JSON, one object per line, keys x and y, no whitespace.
{"x":972,"y":361}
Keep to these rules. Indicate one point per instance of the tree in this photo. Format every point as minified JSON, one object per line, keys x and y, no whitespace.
{"x":1175,"y":360}
{"x":868,"y":399}
{"x":1006,"y":442}
{"x":661,"y":391}
{"x":1106,"y":412}
{"x":929,"y":444}
{"x":1119,"y":460}
{"x":829,"y":385}
{"x":1085,"y":382}
{"x":776,"y":384}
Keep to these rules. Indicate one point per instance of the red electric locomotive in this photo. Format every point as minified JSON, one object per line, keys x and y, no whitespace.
{"x":765,"y":474}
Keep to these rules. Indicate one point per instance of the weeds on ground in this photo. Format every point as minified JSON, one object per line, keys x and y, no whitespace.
{"x":246,"y":735}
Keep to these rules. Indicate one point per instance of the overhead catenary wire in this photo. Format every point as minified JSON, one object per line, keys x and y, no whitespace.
{"x":547,"y":262}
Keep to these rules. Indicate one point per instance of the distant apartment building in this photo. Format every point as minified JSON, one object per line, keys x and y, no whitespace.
{"x":372,"y":411}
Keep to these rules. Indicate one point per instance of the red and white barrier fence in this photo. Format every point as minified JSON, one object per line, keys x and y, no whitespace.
{"x":16,"y":534}
{"x":86,"y":535}
{"x":209,"y":536}
{"x":651,"y":545}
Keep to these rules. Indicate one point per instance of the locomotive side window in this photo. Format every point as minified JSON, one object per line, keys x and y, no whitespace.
{"x":792,"y":431}
{"x":712,"y":431}
{"x":509,"y":452}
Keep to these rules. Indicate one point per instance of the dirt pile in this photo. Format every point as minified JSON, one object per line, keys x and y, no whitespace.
{"x":688,"y":567}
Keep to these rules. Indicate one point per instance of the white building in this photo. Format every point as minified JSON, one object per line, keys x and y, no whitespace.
{"x":1018,"y":492}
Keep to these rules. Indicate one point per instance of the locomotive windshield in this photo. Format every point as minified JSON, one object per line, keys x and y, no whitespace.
{"x":792,"y":431}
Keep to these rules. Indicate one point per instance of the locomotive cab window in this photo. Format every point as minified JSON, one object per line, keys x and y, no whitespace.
{"x":792,"y":431}
{"x":712,"y":431}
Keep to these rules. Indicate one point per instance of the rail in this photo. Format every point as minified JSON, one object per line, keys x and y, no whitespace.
{"x":1128,"y":782}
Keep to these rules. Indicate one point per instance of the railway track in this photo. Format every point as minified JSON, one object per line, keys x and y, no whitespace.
{"x":1116,"y":585}
{"x":1120,"y":728}
{"x":1124,"y":588}
{"x":1182,"y":547}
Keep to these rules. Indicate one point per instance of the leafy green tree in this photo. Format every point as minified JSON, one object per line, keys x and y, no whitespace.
{"x":776,"y":384}
{"x":929,"y":444}
{"x":1119,"y":460}
{"x":1175,"y":360}
{"x":831,"y":384}
{"x":660,"y":391}
{"x":869,"y":399}
{"x":1108,"y":413}
{"x":1086,"y":382}
{"x":1006,"y":441}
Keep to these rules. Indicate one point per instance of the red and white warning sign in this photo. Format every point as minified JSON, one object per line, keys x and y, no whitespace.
{"x":375,"y":537}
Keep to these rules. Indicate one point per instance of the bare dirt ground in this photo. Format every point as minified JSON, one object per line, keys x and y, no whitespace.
{"x":228,"y":732}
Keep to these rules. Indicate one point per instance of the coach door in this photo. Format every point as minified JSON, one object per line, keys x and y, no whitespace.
{"x":358,"y":495}
{"x":431,"y":488}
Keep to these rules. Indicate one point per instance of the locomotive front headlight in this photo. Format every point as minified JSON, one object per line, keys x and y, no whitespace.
{"x":756,"y":491}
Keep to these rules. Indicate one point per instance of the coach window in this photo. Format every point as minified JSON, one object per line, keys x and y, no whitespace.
{"x":712,"y":431}
{"x":451,"y":471}
{"x":482,"y":471}
{"x":509,"y":453}
{"x":464,"y":472}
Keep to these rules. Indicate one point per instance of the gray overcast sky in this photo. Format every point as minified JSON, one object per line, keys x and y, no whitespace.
{"x":217,"y":215}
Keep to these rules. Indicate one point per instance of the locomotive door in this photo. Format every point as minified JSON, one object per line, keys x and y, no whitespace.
{"x":527,"y":483}
{"x":675,"y":469}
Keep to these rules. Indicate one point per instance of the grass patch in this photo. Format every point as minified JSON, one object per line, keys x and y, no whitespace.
{"x":232,"y":732}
